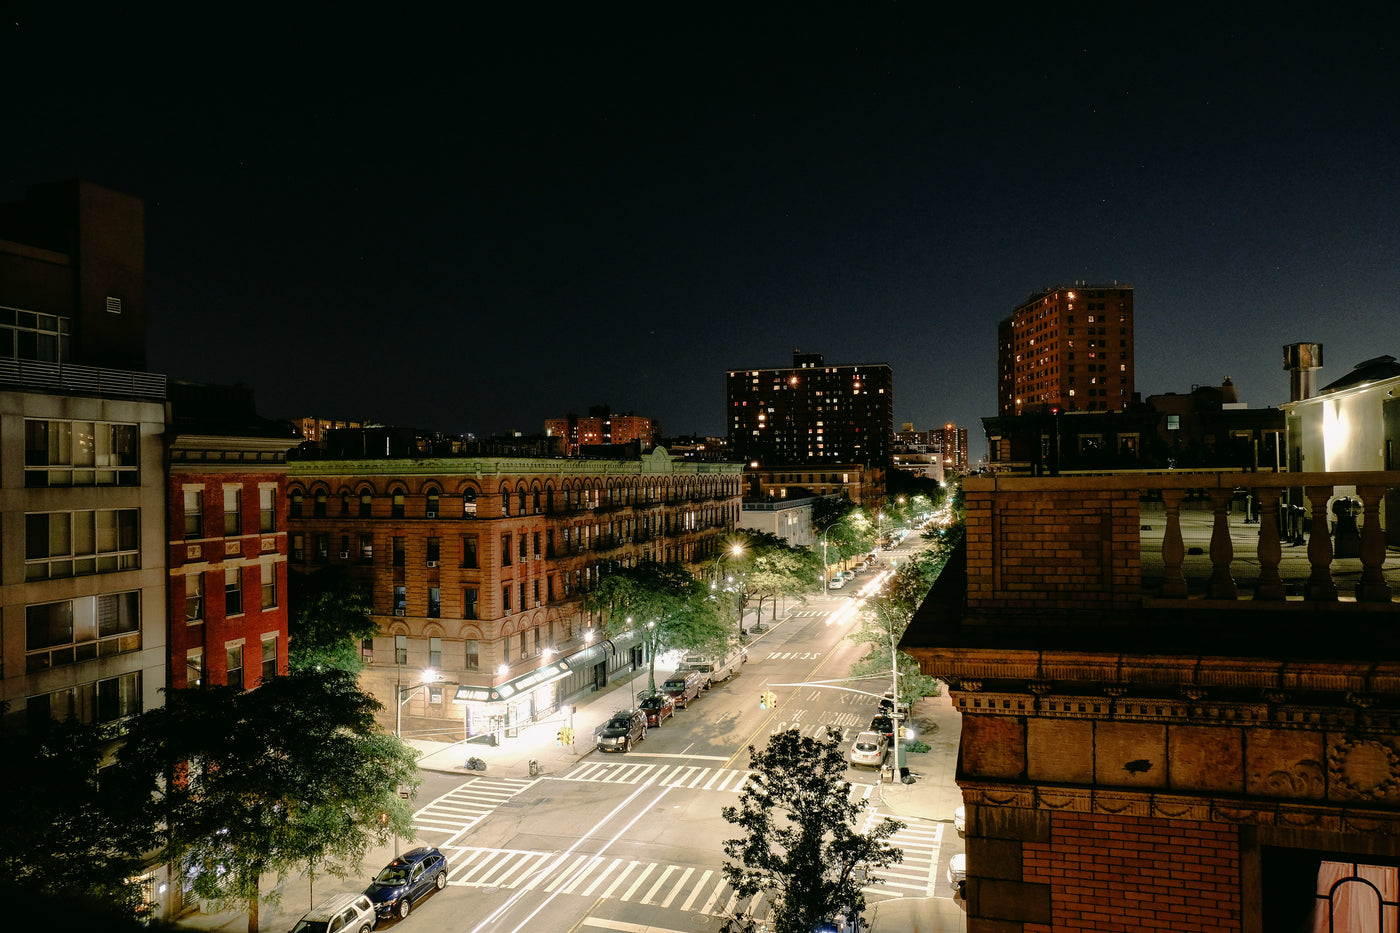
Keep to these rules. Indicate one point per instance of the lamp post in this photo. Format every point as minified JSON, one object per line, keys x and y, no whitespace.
{"x":430,"y":677}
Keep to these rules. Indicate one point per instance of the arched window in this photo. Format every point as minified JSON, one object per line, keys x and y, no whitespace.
{"x":320,"y":507}
{"x":505,"y":501}
{"x":294,"y":504}
{"x":366,"y":503}
{"x":396,"y":504}
{"x":432,"y":504}
{"x":469,"y":502}
{"x":344,"y":503}
{"x":537,"y":502}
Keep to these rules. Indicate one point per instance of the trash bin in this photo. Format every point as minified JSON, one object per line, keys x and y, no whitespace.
{"x":534,"y":767}
{"x":886,"y":774}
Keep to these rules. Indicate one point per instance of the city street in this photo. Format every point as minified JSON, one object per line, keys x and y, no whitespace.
{"x":633,"y":842}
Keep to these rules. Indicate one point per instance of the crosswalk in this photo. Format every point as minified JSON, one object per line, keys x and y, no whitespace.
{"x":686,"y":776}
{"x":461,"y":808}
{"x":687,"y":888}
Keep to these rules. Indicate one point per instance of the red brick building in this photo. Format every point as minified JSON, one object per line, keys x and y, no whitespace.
{"x":227,"y":560}
{"x":1170,"y":721}
{"x":1068,"y":348}
{"x":601,"y":428}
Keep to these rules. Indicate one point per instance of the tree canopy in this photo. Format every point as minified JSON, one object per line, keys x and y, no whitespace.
{"x":240,"y":784}
{"x":800,"y":848}
{"x":327,"y":616}
{"x":667,"y":604}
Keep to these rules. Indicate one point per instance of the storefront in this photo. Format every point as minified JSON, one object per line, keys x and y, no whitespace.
{"x":501,"y":710}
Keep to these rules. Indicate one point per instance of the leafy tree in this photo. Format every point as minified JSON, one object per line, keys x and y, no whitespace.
{"x":328,"y":615}
{"x":664,"y":602}
{"x":236,"y":785}
{"x":772,"y":569}
{"x":800,"y":847}
{"x":57,"y":814}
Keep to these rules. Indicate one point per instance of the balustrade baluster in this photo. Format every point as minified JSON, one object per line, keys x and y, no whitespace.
{"x":1320,"y":584}
{"x":1270,"y":584}
{"x":1222,"y":549}
{"x":1372,"y":588}
{"x":1173,"y":551}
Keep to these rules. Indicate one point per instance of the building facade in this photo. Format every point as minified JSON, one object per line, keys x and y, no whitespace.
{"x":477,"y":567}
{"x":812,"y":413}
{"x":1170,"y":721}
{"x":602,"y":427}
{"x":787,"y":518}
{"x":1068,"y":348}
{"x":855,"y":481}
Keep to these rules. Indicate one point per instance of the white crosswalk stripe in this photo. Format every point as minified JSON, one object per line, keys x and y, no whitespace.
{"x":464,"y":806}
{"x":654,"y":884}
{"x":920,"y":841}
{"x":687,"y":776}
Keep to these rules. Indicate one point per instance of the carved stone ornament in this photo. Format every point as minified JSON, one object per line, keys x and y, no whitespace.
{"x":1275,"y":696}
{"x":972,"y":686}
{"x":1115,"y":690}
{"x":1361,"y":700}
{"x":1194,"y":693}
{"x":1039,"y":687}
{"x":1368,"y":768}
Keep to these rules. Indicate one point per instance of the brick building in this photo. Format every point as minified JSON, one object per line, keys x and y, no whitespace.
{"x":227,"y":509}
{"x":1068,"y":348}
{"x":602,"y":427}
{"x":476,"y":568}
{"x":1164,"y":737}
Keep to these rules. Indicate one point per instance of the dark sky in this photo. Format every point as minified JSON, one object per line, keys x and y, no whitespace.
{"x":476,"y":220}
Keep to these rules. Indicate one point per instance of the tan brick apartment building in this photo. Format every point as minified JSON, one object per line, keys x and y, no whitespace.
{"x":476,"y":567}
{"x":1170,"y":721}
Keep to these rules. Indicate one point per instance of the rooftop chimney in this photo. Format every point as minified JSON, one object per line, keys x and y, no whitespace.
{"x":1302,"y":360}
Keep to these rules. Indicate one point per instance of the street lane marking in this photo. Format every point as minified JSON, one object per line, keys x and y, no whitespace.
{"x":622,"y":926}
{"x":686,"y":776}
{"x":677,"y":889}
{"x":659,"y":882}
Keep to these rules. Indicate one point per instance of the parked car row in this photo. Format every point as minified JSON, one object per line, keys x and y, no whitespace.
{"x":696,"y":673}
{"x":392,"y":893}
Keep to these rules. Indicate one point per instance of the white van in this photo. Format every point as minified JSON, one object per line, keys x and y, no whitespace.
{"x":716,"y":668}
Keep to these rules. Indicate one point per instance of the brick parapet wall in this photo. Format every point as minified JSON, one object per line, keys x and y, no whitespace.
{"x":1114,"y":872}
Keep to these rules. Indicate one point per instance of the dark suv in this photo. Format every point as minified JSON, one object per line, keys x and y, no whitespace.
{"x":406,"y":879}
{"x":624,"y":729}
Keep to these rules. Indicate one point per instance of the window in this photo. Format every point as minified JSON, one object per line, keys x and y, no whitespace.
{"x":323,"y":547}
{"x":101,"y":702}
{"x":435,"y":653}
{"x":396,"y":505}
{"x":524,"y":547}
{"x":78,"y":453}
{"x":269,"y":657}
{"x":434,"y":551}
{"x":233,"y":522}
{"x":505,"y":550}
{"x":67,"y":544}
{"x":399,"y":552}
{"x":505,"y":502}
{"x":523,"y":655}
{"x":537,"y":592}
{"x":318,"y":510}
{"x":294,"y":504}
{"x":194,"y":514}
{"x":299,"y":548}
{"x":81,"y":629}
{"x":469,"y":551}
{"x":194,"y":598}
{"x":401,"y":649}
{"x":194,"y":667}
{"x":366,"y":504}
{"x":434,"y":694}
{"x":234,"y":665}
{"x":434,"y":602}
{"x":473,"y":657}
{"x":520,"y":503}
{"x":523,"y":604}
{"x":469,"y":603}
{"x":505,"y":649}
{"x":344,"y":503}
{"x":537,"y":642}
{"x":366,"y":549}
{"x":269,"y":586}
{"x":537,"y":545}
{"x":266,"y":510}
{"x":505,"y":598}
{"x":400,"y":600}
{"x":549,"y":587}
{"x":469,"y":502}
{"x":430,"y":509}
{"x":233,"y":591}
{"x":367,"y":650}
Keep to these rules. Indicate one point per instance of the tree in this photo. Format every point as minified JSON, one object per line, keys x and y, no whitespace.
{"x":771,"y":569}
{"x":327,"y":617}
{"x":57,"y":814}
{"x":666,"y":604}
{"x":800,"y":848}
{"x":240,"y":784}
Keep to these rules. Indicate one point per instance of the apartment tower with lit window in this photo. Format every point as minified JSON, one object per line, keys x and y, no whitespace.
{"x":812,"y":413}
{"x":1069,"y":348}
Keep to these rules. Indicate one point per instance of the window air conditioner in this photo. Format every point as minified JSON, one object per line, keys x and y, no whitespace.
{"x":399,"y":612}
{"x":432,"y":563}
{"x":431,"y":514}
{"x":344,"y":555}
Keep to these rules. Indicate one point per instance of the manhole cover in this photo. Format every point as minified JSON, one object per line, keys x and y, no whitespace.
{"x":700,"y":920}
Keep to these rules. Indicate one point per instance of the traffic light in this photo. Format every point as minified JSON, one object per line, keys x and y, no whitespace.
{"x":566,"y":735}
{"x":559,"y":737}
{"x":763,"y":700}
{"x":767,"y":700}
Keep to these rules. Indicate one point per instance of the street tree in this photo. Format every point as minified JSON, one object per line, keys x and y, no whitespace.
{"x":775,"y":570}
{"x":666,"y":604}
{"x":237,"y":785}
{"x":799,"y":845}
{"x":327,"y":617}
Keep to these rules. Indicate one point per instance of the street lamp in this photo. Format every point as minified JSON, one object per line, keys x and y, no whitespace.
{"x":824,"y":570}
{"x":430,"y":677}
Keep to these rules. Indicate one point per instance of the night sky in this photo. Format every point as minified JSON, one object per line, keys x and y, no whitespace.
{"x":476,"y":220}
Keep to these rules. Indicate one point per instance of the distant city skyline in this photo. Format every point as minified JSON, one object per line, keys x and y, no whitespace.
{"x":492,"y":220}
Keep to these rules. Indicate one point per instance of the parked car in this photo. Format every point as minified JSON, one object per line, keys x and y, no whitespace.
{"x":657,"y":706}
{"x":684,"y":686}
{"x":344,"y":913}
{"x":715,"y":667}
{"x":626,"y":728}
{"x":406,"y":879}
{"x":957,"y":872}
{"x":884,"y":725}
{"x":869,"y":748}
{"x":837,"y":582}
